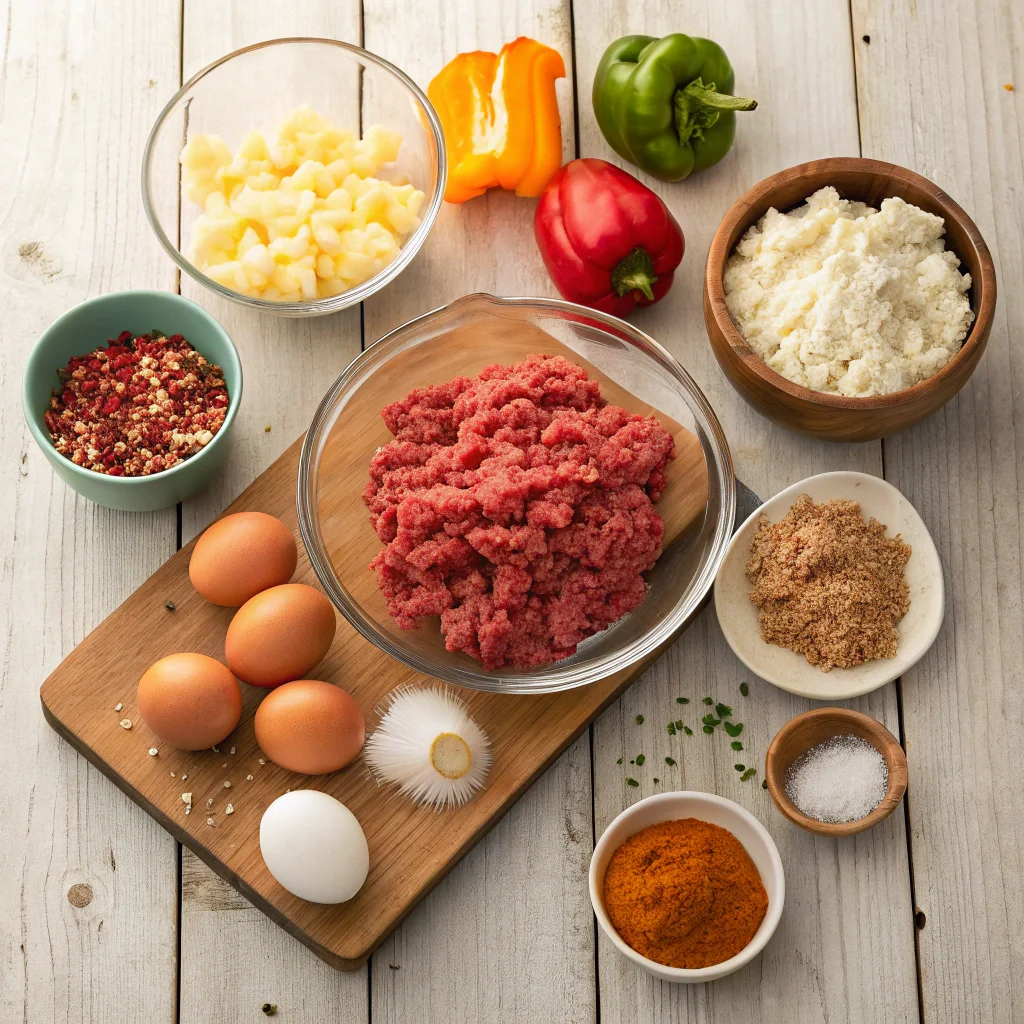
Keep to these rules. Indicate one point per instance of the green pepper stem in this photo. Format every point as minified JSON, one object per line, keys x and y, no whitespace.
{"x":634,"y":272}
{"x":698,"y":106}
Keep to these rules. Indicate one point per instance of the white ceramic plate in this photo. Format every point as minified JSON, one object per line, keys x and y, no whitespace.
{"x":719,"y":811}
{"x":790,"y":671}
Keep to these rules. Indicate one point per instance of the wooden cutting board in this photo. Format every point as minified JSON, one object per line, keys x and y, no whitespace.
{"x":411,"y":848}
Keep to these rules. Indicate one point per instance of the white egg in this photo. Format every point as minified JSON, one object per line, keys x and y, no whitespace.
{"x":314,"y":846}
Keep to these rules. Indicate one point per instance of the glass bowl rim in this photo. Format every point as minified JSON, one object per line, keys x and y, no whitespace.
{"x":332,"y":303}
{"x":555,"y":679}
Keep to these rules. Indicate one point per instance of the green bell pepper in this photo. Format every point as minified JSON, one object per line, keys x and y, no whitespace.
{"x":666,"y":104}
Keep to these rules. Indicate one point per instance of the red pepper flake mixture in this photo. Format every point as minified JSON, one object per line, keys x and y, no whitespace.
{"x":139,"y":406}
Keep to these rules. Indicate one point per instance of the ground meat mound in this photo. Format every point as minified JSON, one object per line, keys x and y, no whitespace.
{"x":518,"y":507}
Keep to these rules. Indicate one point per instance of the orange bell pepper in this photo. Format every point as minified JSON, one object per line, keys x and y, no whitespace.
{"x":500,"y":119}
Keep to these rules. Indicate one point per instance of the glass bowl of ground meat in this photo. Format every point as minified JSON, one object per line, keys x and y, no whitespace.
{"x":516,"y":495}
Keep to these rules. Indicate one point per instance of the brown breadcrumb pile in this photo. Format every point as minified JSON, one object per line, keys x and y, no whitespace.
{"x":830,"y":586}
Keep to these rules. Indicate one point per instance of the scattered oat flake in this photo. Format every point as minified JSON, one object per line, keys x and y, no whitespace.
{"x":125,"y":723}
{"x":210,"y":821}
{"x":262,"y":761}
{"x":209,"y":803}
{"x":248,"y":778}
{"x":224,"y":765}
{"x":184,"y":777}
{"x":173,"y":776}
{"x":117,"y":707}
{"x":230,"y":809}
{"x":231,"y":751}
{"x":188,"y":809}
{"x":153,"y":751}
{"x":216,"y":750}
{"x":227,"y":785}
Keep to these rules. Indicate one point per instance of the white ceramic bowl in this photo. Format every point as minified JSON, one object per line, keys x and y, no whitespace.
{"x":737,"y":615}
{"x":719,"y":811}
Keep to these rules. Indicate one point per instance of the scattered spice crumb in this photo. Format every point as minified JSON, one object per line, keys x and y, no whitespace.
{"x":169,"y":605}
{"x":1008,"y":87}
{"x":639,"y":719}
{"x":867,"y":39}
{"x":764,"y":784}
{"x":656,"y":780}
{"x":266,"y":429}
{"x":230,"y":809}
{"x":118,"y":706}
{"x":153,"y":751}
{"x":125,"y":723}
{"x":395,"y":967}
{"x":269,"y":1008}
{"x":632,"y":782}
{"x":632,"y":762}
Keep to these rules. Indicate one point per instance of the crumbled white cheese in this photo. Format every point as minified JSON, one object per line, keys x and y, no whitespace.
{"x":839,"y":297}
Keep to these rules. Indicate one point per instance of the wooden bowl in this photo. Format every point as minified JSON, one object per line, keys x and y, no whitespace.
{"x":798,"y":735}
{"x":829,"y":416}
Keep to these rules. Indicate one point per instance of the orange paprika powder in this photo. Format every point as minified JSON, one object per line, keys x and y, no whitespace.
{"x":684,"y":893}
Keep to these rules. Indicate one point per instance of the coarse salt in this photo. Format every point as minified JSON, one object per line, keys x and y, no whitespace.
{"x":840,"y":780}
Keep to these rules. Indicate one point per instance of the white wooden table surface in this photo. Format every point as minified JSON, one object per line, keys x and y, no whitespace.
{"x":509,"y":936}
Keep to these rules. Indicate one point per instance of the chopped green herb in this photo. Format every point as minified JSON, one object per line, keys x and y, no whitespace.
{"x":708,"y":729}
{"x":708,"y":700}
{"x":734,"y":729}
{"x":736,"y":745}
{"x":744,"y":689}
{"x":632,"y":782}
{"x":619,"y":761}
{"x":640,"y":758}
{"x":671,"y":728}
{"x":723,"y":710}
{"x":270,"y":1009}
{"x":670,"y":760}
{"x":679,"y":723}
{"x":740,"y":767}
{"x":687,"y":730}
{"x":682,"y":700}
{"x":639,"y":719}
{"x":711,"y":720}
{"x":748,"y":774}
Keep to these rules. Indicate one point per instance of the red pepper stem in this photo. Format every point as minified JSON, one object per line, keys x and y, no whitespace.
{"x":634,"y":272}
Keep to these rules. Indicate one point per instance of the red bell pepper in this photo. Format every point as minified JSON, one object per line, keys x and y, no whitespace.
{"x":607,"y":240}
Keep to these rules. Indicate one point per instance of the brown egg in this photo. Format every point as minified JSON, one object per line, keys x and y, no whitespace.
{"x":310,"y":727}
{"x":240,"y":555}
{"x":189,"y":700}
{"x":279,"y":635}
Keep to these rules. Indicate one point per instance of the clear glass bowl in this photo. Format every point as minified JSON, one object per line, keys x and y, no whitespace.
{"x":257,"y":88}
{"x":464,"y":337}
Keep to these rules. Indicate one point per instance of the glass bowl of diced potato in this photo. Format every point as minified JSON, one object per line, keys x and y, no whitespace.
{"x":295,"y":176}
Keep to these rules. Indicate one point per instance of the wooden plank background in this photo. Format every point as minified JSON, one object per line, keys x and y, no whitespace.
{"x":509,"y":936}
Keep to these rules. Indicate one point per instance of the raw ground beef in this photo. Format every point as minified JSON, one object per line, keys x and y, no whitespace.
{"x":518,"y":507}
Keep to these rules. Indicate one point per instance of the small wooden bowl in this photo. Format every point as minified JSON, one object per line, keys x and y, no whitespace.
{"x":798,"y":735}
{"x":829,"y":416}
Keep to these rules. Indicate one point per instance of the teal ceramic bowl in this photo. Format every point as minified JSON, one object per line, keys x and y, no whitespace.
{"x":91,"y":324}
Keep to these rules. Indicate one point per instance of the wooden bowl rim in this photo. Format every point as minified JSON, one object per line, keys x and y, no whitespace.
{"x":718,"y":254}
{"x":888,"y":746}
